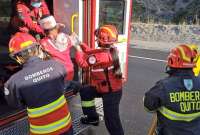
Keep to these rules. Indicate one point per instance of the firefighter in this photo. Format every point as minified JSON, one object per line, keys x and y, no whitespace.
{"x":176,"y":98}
{"x":106,"y":79}
{"x":38,"y":86}
{"x":27,"y":15}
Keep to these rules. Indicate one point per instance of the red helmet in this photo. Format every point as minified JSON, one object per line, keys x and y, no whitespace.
{"x":182,"y":56}
{"x":107,"y":35}
{"x":20,"y":41}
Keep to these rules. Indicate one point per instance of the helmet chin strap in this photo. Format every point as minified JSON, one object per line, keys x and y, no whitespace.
{"x":19,"y":60}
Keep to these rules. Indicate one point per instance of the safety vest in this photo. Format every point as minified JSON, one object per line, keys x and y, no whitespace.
{"x":52,"y":119}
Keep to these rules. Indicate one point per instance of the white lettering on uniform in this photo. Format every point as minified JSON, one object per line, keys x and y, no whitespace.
{"x":40,"y":75}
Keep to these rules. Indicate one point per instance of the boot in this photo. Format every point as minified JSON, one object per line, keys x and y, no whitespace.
{"x":90,"y":121}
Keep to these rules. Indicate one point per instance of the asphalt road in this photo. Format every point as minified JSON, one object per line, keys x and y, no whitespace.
{"x":144,"y":69}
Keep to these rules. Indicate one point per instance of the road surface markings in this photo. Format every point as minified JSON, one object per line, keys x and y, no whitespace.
{"x":146,"y":58}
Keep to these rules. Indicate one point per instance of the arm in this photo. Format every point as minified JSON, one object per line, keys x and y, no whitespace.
{"x":12,"y":95}
{"x":154,"y":97}
{"x":77,"y":43}
{"x":81,"y":58}
{"x":85,"y":47}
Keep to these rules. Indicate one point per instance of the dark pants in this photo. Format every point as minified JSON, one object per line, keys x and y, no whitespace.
{"x":111,"y":112}
{"x":111,"y":103}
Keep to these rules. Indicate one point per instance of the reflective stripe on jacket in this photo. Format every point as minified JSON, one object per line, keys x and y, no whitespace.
{"x":50,"y":118}
{"x":40,"y":85}
{"x":172,"y":115}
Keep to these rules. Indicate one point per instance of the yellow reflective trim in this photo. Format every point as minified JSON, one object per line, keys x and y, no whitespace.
{"x":37,"y":112}
{"x":196,"y":69}
{"x":178,"y":116}
{"x":122,"y":39}
{"x":88,"y":103}
{"x":25,"y":44}
{"x":193,"y":47}
{"x":11,"y":50}
{"x":183,"y":54}
{"x":51,"y":127}
{"x":113,"y":34}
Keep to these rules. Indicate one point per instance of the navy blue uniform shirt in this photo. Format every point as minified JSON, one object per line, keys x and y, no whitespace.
{"x":176,"y":99}
{"x":37,"y":84}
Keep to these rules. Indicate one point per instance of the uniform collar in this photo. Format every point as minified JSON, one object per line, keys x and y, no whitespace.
{"x":32,"y":60}
{"x":181,"y":72}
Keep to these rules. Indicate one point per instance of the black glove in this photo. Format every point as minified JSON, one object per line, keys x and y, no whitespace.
{"x":73,"y":85}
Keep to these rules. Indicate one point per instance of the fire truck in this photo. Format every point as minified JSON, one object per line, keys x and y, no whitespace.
{"x":81,"y":17}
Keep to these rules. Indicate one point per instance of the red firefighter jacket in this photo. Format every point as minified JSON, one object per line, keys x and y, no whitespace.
{"x":99,"y":60}
{"x":26,"y":18}
{"x":61,"y":56}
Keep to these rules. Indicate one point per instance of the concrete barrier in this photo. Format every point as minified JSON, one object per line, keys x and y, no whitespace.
{"x":163,"y":37}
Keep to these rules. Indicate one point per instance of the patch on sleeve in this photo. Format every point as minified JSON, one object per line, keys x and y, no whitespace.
{"x":188,"y":84}
{"x":6,"y":91}
{"x":92,"y":60}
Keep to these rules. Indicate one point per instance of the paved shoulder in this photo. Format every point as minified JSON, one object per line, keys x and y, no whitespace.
{"x":152,"y":54}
